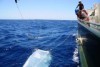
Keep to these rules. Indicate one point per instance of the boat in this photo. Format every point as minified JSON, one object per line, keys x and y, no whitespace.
{"x":88,"y":38}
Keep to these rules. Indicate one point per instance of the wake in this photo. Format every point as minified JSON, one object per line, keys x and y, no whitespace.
{"x":75,"y":56}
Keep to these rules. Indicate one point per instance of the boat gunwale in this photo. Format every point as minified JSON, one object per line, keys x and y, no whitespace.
{"x":92,"y":30}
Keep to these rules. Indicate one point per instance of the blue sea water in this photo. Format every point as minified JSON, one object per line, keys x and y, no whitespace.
{"x":20,"y":38}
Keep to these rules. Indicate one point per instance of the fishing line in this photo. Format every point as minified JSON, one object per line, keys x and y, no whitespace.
{"x":39,"y":35}
{"x":40,"y":61}
{"x":60,"y":43}
{"x":49,"y":40}
{"x":19,"y":11}
{"x":40,"y":30}
{"x":53,"y":40}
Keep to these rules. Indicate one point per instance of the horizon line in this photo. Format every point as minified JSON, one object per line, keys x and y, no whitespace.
{"x":38,"y":19}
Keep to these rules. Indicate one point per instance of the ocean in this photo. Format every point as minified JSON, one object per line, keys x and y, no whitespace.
{"x":20,"y":38}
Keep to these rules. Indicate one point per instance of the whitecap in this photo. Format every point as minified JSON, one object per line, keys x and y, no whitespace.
{"x":74,"y":34}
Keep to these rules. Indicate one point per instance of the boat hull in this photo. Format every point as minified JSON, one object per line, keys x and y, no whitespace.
{"x":89,"y":46}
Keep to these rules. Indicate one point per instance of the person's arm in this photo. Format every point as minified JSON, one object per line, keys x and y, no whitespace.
{"x":77,"y":6}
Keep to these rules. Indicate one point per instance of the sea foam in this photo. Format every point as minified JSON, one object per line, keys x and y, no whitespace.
{"x":75,"y":55}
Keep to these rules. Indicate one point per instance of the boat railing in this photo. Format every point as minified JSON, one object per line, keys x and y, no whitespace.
{"x":94,"y":25}
{"x":91,"y":24}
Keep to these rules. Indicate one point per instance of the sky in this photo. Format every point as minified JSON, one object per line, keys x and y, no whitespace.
{"x":41,"y":9}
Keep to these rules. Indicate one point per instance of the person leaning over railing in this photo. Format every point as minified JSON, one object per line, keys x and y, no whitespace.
{"x":81,"y":13}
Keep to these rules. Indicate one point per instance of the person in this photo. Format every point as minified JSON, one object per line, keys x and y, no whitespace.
{"x":80,"y":5}
{"x":82,"y":14}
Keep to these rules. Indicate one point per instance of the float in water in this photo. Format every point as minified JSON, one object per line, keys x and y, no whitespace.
{"x":39,"y":58}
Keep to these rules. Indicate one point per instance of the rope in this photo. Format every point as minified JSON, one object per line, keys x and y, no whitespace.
{"x":60,"y":43}
{"x":19,"y":11}
{"x":52,"y":49}
{"x":40,"y":30}
{"x":54,"y":40}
